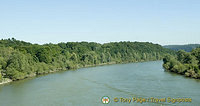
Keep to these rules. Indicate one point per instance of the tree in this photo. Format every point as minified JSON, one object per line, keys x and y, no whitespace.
{"x":108,"y":57}
{"x":196,"y":53}
{"x":74,"y":57}
{"x":186,"y":63}
{"x":103,"y":58}
{"x":0,"y":76}
{"x":181,"y":55}
{"x":44,"y":55}
{"x":2,"y":63}
{"x":19,"y":59}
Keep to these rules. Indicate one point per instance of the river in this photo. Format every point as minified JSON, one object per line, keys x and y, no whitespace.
{"x":86,"y":86}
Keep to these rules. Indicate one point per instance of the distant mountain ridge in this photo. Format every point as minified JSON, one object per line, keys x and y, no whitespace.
{"x":187,"y":47}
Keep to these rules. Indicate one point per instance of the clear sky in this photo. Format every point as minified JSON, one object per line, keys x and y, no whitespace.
{"x":44,"y":21}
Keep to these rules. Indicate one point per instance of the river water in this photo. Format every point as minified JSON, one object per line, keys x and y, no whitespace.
{"x":87,"y":86}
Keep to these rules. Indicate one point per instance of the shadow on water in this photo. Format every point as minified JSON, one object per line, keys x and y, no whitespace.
{"x":182,"y":76}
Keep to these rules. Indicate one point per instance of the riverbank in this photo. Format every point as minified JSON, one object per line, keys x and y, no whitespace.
{"x":20,"y":60}
{"x":7,"y":80}
{"x":185,"y":63}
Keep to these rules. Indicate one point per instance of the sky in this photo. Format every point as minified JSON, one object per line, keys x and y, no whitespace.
{"x":162,"y":22}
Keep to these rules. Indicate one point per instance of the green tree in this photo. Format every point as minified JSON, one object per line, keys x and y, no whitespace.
{"x":186,"y":63}
{"x":74,"y":57}
{"x":19,"y":59}
{"x":196,"y":53}
{"x":0,"y":76}
{"x":44,"y":55}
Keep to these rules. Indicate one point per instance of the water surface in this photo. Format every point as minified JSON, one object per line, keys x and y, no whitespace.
{"x":87,"y":86}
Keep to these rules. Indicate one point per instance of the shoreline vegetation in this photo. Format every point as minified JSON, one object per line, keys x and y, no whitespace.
{"x":184,"y":63}
{"x":7,"y":80}
{"x":20,"y":60}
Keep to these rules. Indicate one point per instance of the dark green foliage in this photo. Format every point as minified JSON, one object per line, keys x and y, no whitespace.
{"x":196,"y":53}
{"x":44,"y":55}
{"x":186,"y":63}
{"x":0,"y":77}
{"x":19,"y":59}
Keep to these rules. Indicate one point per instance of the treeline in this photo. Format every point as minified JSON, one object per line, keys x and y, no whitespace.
{"x":185,"y":63}
{"x":19,"y":59}
{"x":187,"y":48}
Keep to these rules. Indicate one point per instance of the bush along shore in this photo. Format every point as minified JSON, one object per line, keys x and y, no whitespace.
{"x":20,"y":60}
{"x":184,"y":63}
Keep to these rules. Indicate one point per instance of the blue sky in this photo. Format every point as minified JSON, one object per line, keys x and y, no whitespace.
{"x":44,"y":21}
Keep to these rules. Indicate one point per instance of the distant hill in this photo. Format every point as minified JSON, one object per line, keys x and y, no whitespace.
{"x":187,"y":48}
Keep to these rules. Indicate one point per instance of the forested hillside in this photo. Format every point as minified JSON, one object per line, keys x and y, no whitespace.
{"x":187,"y":48}
{"x":185,"y":63}
{"x":19,"y":59}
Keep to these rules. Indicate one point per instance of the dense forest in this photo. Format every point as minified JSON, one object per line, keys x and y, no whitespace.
{"x":187,"y":48}
{"x":19,"y":59}
{"x":185,"y":63}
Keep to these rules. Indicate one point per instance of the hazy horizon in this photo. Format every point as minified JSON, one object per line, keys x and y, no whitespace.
{"x":97,"y":42}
